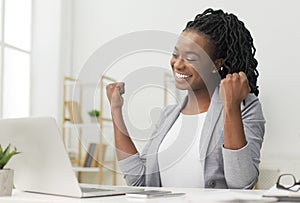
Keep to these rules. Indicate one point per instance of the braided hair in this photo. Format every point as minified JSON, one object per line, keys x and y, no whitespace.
{"x":232,"y":41}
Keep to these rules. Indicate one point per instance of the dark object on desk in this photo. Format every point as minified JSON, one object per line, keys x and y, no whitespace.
{"x":287,"y":181}
{"x":286,"y":189}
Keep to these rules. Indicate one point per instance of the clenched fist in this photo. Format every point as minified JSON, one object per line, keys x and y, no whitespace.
{"x":234,"y":89}
{"x":114,"y":93}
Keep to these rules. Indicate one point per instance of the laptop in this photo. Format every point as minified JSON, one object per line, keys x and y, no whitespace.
{"x":43,"y":166}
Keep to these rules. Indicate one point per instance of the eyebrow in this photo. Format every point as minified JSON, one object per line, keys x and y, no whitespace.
{"x":189,"y":52}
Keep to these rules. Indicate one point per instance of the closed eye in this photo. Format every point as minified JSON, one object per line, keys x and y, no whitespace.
{"x":191,"y":59}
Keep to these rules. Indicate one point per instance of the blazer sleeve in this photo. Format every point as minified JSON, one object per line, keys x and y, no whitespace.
{"x":134,"y":166}
{"x":241,"y":167}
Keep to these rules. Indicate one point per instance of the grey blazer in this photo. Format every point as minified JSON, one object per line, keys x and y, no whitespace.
{"x":223,"y":168}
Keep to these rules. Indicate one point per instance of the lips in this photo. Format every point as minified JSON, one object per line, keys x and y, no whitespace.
{"x":182,"y":76}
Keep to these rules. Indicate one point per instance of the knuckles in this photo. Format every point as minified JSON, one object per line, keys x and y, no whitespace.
{"x":110,"y":86}
{"x":114,"y":85}
{"x":235,"y":78}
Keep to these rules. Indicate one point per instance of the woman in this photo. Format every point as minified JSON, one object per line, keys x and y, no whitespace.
{"x":229,"y":131}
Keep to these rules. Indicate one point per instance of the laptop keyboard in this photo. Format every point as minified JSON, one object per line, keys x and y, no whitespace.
{"x":86,"y":189}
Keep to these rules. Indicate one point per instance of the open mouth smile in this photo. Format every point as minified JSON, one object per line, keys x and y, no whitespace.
{"x":182,"y":76}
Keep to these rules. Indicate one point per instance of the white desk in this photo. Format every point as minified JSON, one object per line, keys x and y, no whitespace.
{"x":192,"y":195}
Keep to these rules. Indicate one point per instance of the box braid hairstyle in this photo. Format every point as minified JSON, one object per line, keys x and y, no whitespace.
{"x":232,"y":41}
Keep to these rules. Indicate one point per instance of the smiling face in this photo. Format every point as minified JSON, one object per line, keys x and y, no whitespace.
{"x":191,"y":58}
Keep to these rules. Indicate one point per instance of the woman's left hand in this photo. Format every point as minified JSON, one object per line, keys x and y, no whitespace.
{"x":234,"y":89}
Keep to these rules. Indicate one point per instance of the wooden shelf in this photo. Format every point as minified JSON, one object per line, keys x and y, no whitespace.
{"x":86,"y":169}
{"x":83,"y":125}
{"x":72,"y":119}
{"x":80,"y":125}
{"x":89,"y":169}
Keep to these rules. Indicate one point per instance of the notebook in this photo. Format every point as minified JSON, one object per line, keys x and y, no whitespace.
{"x":43,"y":166}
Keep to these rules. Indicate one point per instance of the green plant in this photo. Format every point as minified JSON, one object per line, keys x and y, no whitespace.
{"x":6,"y":155}
{"x":94,"y":113}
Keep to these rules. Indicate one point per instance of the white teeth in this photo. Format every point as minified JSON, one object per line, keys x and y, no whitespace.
{"x":178,"y":75}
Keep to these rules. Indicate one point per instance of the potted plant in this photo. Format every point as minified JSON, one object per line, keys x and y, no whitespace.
{"x":6,"y":175}
{"x":94,"y":114}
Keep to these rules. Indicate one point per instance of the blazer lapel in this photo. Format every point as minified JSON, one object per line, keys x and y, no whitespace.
{"x":168,"y":123}
{"x":212,"y":117}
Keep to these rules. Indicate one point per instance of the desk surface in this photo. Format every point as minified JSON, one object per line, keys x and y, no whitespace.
{"x":192,"y":195}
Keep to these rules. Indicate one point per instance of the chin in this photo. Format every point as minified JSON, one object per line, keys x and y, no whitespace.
{"x":182,"y":86}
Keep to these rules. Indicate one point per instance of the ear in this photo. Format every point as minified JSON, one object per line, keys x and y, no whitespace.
{"x":219,"y":63}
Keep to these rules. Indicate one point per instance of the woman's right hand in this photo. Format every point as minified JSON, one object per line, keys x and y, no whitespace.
{"x":114,"y":93}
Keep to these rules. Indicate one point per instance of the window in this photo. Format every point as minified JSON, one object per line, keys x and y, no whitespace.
{"x":15,"y":51}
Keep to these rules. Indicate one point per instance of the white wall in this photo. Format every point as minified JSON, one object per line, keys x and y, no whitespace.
{"x":51,"y":55}
{"x":45,"y":72}
{"x":274,"y":28}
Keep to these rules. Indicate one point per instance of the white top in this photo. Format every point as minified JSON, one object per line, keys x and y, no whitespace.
{"x":179,"y":153}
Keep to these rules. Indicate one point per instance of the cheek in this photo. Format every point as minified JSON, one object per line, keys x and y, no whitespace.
{"x":199,"y":70}
{"x":194,"y":69}
{"x":197,"y":73}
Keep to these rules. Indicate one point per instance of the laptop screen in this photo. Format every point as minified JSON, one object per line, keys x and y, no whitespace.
{"x":43,"y":165}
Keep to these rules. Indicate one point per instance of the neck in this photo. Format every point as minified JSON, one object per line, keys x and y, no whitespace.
{"x":198,"y":102}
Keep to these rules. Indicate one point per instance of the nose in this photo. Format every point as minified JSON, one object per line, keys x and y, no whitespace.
{"x":179,"y":64}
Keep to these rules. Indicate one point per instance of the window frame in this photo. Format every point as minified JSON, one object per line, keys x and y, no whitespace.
{"x":4,"y":45}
